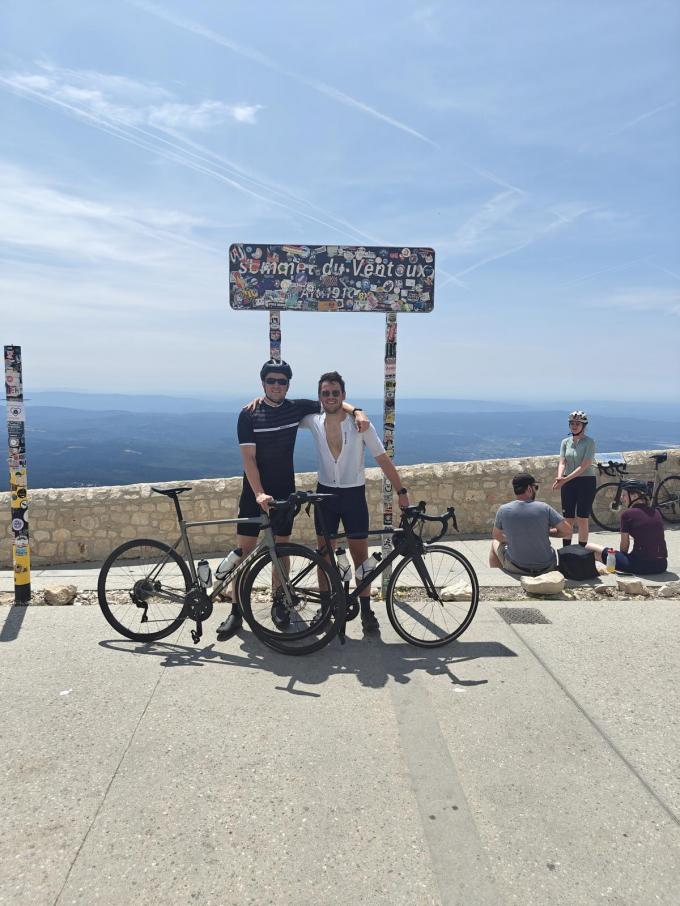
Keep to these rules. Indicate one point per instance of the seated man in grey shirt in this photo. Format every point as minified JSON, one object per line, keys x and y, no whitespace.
{"x":522,"y":531}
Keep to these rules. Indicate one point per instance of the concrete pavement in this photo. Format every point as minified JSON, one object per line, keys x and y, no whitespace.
{"x":522,"y":764}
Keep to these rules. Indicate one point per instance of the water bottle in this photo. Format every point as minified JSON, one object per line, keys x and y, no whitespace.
{"x":368,"y":566}
{"x":611,"y":560}
{"x":344,"y":568}
{"x":204,"y":573}
{"x":228,"y":563}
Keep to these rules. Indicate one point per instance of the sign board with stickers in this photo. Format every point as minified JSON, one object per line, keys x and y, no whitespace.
{"x":331,"y":278}
{"x":16,"y":441}
{"x":337,"y":278}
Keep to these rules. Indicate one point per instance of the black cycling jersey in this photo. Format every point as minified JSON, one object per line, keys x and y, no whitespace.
{"x":273,"y":429}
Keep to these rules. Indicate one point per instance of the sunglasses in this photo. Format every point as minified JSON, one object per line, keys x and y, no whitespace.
{"x":281,"y":381}
{"x":335,"y":393}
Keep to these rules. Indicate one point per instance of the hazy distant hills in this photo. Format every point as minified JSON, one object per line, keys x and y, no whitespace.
{"x":187,"y":439}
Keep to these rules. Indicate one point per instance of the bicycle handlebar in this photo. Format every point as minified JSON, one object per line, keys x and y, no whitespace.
{"x":612,"y":468}
{"x":417,"y":513}
{"x":297,"y":500}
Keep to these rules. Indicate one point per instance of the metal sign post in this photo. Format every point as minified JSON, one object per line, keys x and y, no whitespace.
{"x":274,"y":335}
{"x":337,"y":278}
{"x":16,"y":434}
{"x":388,"y":431}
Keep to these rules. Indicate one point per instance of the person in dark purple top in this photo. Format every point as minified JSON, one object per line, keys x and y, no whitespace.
{"x":644,"y":525}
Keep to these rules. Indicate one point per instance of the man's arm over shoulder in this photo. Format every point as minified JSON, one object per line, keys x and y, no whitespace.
{"x":372,"y":441}
{"x":307,"y":407}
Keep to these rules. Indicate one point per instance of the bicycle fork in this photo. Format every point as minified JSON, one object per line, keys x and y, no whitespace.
{"x":424,"y":575}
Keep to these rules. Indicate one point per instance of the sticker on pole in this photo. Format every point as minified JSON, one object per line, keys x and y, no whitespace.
{"x":15,"y":412}
{"x":331,"y":278}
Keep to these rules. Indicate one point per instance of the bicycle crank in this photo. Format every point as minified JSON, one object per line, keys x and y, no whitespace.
{"x":198,"y":605}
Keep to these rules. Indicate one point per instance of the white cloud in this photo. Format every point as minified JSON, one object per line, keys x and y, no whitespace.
{"x":122,"y":100}
{"x":156,"y":130}
{"x":256,"y":56}
{"x":65,"y":225}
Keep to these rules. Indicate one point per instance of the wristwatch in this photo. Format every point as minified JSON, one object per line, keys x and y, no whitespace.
{"x":402,"y":491}
{"x":357,"y":409}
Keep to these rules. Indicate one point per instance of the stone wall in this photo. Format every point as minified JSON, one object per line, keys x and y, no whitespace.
{"x":84,"y":524}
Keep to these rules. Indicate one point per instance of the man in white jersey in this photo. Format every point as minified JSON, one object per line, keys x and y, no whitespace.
{"x":340,"y":448}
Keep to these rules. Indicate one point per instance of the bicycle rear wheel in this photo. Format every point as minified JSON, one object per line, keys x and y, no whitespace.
{"x":141,"y":589}
{"x":425,"y":621}
{"x":667,"y":499}
{"x":309,"y":621}
{"x":607,"y":506}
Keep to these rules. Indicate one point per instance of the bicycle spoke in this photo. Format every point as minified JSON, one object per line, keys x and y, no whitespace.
{"x":288,"y":604}
{"x":142,"y":587}
{"x":421,"y":619}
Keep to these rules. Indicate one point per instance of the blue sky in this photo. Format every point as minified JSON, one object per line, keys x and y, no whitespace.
{"x":534,"y":145}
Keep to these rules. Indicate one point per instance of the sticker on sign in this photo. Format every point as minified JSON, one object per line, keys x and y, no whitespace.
{"x":331,"y":278}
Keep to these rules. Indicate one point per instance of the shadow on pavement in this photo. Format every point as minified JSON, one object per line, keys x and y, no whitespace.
{"x":13,"y":620}
{"x":371,"y":661}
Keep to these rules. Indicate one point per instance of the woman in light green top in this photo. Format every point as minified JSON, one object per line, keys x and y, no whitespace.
{"x":576,"y":476}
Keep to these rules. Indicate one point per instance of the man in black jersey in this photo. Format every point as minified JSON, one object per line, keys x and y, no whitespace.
{"x":266,"y":435}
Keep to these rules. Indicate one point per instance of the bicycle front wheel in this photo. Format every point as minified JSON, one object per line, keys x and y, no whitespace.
{"x":430,"y":617}
{"x":607,"y":506}
{"x":142,"y":587}
{"x":305,"y":620}
{"x":668,"y":499}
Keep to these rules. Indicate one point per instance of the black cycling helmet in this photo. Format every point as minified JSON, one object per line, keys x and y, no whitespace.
{"x":635,"y":484}
{"x":278,"y":366}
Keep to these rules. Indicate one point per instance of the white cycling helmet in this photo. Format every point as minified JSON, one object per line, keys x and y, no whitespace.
{"x":578,"y":415}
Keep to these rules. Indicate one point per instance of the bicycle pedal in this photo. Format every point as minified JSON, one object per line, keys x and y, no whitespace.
{"x":196,"y":636}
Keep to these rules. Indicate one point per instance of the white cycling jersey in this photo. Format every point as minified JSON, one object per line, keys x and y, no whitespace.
{"x":347,"y":471}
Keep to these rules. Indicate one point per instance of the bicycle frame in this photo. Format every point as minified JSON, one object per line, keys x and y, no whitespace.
{"x":410,"y":544}
{"x":268,"y":542}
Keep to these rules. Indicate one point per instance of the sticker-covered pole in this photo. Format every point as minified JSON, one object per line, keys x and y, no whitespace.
{"x":388,"y":430}
{"x":274,"y":335}
{"x":16,"y":434}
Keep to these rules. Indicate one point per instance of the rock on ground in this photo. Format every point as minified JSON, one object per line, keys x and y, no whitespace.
{"x":551,"y":583}
{"x":60,"y":594}
{"x":460,"y":591}
{"x":632,"y":586}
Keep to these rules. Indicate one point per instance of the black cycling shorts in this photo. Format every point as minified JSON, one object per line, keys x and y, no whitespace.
{"x":578,"y":495}
{"x":348,"y":504}
{"x":282,"y":522}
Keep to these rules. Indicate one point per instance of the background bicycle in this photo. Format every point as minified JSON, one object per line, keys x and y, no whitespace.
{"x":433,"y":591}
{"x":148,"y":588}
{"x":609,"y":502}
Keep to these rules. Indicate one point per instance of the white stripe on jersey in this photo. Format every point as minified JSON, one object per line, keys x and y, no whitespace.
{"x":280,"y":428}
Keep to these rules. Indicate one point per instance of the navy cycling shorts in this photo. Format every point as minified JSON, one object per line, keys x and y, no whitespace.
{"x":348,"y":505}
{"x":282,"y":522}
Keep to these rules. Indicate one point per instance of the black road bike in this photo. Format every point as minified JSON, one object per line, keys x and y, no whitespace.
{"x":433,"y":591}
{"x":608,"y":503}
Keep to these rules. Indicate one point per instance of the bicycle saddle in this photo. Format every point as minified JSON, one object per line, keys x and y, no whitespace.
{"x":659,"y":457}
{"x":170,"y":492}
